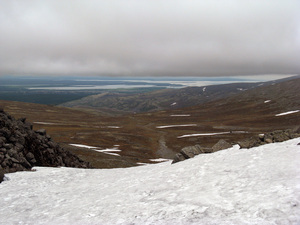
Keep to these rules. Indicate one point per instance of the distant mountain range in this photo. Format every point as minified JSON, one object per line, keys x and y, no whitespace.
{"x":166,"y":99}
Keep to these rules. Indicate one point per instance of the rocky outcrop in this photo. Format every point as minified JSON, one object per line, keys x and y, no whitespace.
{"x":190,"y":152}
{"x":22,"y":148}
{"x":276,"y":136}
{"x":271,"y":137}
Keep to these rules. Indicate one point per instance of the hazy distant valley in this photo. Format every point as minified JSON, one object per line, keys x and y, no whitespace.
{"x":147,"y":123}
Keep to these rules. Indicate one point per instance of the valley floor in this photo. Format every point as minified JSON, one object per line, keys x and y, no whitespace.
{"x":234,"y":186}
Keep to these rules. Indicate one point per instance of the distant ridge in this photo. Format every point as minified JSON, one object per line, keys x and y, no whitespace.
{"x":167,"y":99}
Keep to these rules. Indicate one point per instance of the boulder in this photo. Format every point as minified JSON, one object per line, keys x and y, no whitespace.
{"x":2,"y":141}
{"x":41,"y":132}
{"x":220,"y":145}
{"x":178,"y":157}
{"x":191,"y":151}
{"x":250,"y":142}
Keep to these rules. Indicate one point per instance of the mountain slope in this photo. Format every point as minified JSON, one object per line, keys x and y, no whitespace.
{"x":164,"y":99}
{"x":234,"y":186}
{"x":159,"y":100}
{"x":142,"y":137}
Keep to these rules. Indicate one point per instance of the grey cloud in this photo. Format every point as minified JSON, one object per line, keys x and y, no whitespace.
{"x":139,"y":37}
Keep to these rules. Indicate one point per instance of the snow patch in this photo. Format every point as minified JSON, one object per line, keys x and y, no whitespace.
{"x":204,"y":89}
{"x":113,"y":127}
{"x":45,"y":123}
{"x":174,"y":103}
{"x":267,"y":101}
{"x":159,"y":160}
{"x":109,"y":151}
{"x":203,"y":134}
{"x":171,"y":126}
{"x":180,"y":115}
{"x":287,"y":113}
{"x":83,"y":146}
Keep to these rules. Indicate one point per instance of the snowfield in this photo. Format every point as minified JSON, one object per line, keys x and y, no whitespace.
{"x":234,"y":186}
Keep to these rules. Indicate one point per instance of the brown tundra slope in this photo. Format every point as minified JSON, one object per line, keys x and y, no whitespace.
{"x":161,"y":134}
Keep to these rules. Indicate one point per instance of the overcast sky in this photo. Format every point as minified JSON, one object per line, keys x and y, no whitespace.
{"x":145,"y":38}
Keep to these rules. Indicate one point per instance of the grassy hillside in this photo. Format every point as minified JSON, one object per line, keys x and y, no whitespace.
{"x":145,"y":136}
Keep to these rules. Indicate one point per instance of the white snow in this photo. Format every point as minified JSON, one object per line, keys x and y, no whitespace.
{"x":287,"y":113}
{"x":174,"y":103}
{"x":171,"y":126}
{"x":159,"y":160}
{"x":235,"y":186}
{"x":44,"y":123}
{"x":83,"y":146}
{"x":267,"y":101}
{"x":113,"y":127}
{"x":180,"y":115}
{"x":109,"y":151}
{"x":204,"y":89}
{"x":202,"y":134}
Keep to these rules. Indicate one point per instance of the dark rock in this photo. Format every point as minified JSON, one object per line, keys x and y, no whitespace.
{"x":23,"y":120}
{"x":268,"y":140}
{"x":178,"y":157}
{"x":51,"y":144}
{"x":1,"y":176}
{"x":280,"y":136}
{"x":250,"y":142}
{"x":8,"y":146}
{"x":207,"y":150}
{"x":12,"y":152}
{"x":2,"y":141}
{"x":41,"y":132}
{"x":1,"y":157}
{"x":220,"y":145}
{"x":30,"y":157}
{"x":25,"y":163}
{"x":21,"y":148}
{"x":5,"y":132}
{"x":261,"y":137}
{"x":191,"y":151}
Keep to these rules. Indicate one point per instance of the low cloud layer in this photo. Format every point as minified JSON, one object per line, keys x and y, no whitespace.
{"x":146,"y":38}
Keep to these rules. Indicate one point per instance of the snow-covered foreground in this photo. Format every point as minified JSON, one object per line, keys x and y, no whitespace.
{"x":234,"y":186}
